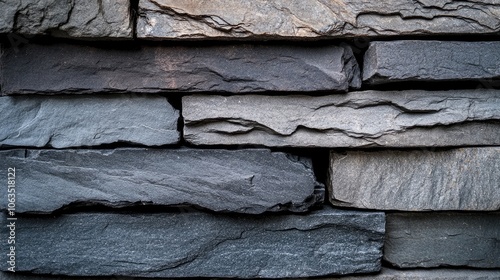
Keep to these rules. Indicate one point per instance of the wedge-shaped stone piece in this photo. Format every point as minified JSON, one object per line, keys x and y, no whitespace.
{"x":73,"y":121}
{"x":400,"y":61}
{"x":443,"y":239}
{"x":64,"y":68}
{"x":357,"y":119}
{"x":194,"y":244}
{"x":458,"y":179}
{"x":98,"y":19}
{"x":275,"y":19}
{"x":246,"y":181}
{"x":419,"y":274}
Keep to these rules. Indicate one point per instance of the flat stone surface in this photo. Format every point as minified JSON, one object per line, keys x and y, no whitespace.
{"x":401,"y":61}
{"x":65,"y":68}
{"x":443,"y":239}
{"x":263,"y":19}
{"x":458,"y":179}
{"x":195,"y":244}
{"x":74,"y":121}
{"x":356,"y":119}
{"x":97,"y":19}
{"x":429,"y":274}
{"x":244,"y":181}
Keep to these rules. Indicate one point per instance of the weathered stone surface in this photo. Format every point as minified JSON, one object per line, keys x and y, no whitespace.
{"x":67,"y":18}
{"x":399,"y":61}
{"x":458,"y":179}
{"x":443,"y":239}
{"x":62,"y":121}
{"x":357,"y":119}
{"x":64,"y":68}
{"x":263,"y":19}
{"x":428,"y":274}
{"x":194,"y":244}
{"x":246,"y":181}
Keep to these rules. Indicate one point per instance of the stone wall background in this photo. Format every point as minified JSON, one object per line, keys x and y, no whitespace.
{"x":250,"y":139}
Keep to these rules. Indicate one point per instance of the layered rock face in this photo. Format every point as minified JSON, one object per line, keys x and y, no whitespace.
{"x":96,"y":19}
{"x":243,"y":181}
{"x":63,"y":121}
{"x":400,"y":61}
{"x":194,"y":244}
{"x":466,"y":179}
{"x":443,"y":239}
{"x":357,"y":119}
{"x":224,"y":19}
{"x":72,"y":69}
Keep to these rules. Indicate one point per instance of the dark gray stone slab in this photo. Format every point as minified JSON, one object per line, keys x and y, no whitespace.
{"x":64,"y":68}
{"x":443,"y":239}
{"x":245,"y":181}
{"x":282,"y":19}
{"x":458,"y":179}
{"x":74,"y":121}
{"x":194,"y":244}
{"x":356,"y":119}
{"x":67,"y":18}
{"x":428,"y":274}
{"x":400,"y":61}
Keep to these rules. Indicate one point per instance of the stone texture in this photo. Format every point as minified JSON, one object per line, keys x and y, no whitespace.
{"x":401,"y":61}
{"x":195,"y":244}
{"x":64,"y":68}
{"x":263,"y":19}
{"x":356,"y":119}
{"x":443,"y":239}
{"x":74,"y":121}
{"x":245,"y":181}
{"x":106,"y":19}
{"x":428,"y":274}
{"x":458,"y":179}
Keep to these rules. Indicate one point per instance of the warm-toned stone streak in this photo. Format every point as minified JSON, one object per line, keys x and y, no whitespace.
{"x":304,"y":19}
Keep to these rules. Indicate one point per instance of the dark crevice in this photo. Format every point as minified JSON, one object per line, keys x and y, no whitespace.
{"x":134,"y":14}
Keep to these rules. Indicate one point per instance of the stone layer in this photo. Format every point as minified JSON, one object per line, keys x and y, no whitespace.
{"x":414,"y":60}
{"x":356,"y":119}
{"x":244,"y":181}
{"x":195,"y":244}
{"x":427,"y":274}
{"x":304,"y":19}
{"x":75,"y":121}
{"x":71,"y":69}
{"x":443,"y":239}
{"x":418,"y":180}
{"x":97,"y":19}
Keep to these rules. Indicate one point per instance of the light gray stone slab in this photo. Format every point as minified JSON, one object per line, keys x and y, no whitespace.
{"x":415,"y":60}
{"x":244,"y":181}
{"x":75,"y":69}
{"x":74,"y":121}
{"x":443,"y":239}
{"x":417,"y":180}
{"x":303,"y":19}
{"x":194,"y":244}
{"x":356,"y":119}
{"x":428,"y":274}
{"x":98,"y":19}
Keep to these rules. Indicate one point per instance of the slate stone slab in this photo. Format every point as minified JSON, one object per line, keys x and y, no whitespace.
{"x":74,"y":121}
{"x":245,"y":181}
{"x":65,"y":68}
{"x":282,"y":19}
{"x":400,"y":61}
{"x":99,"y":19}
{"x":418,"y":180}
{"x":428,"y":274}
{"x":356,"y":119}
{"x":195,"y":244}
{"x":443,"y":239}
